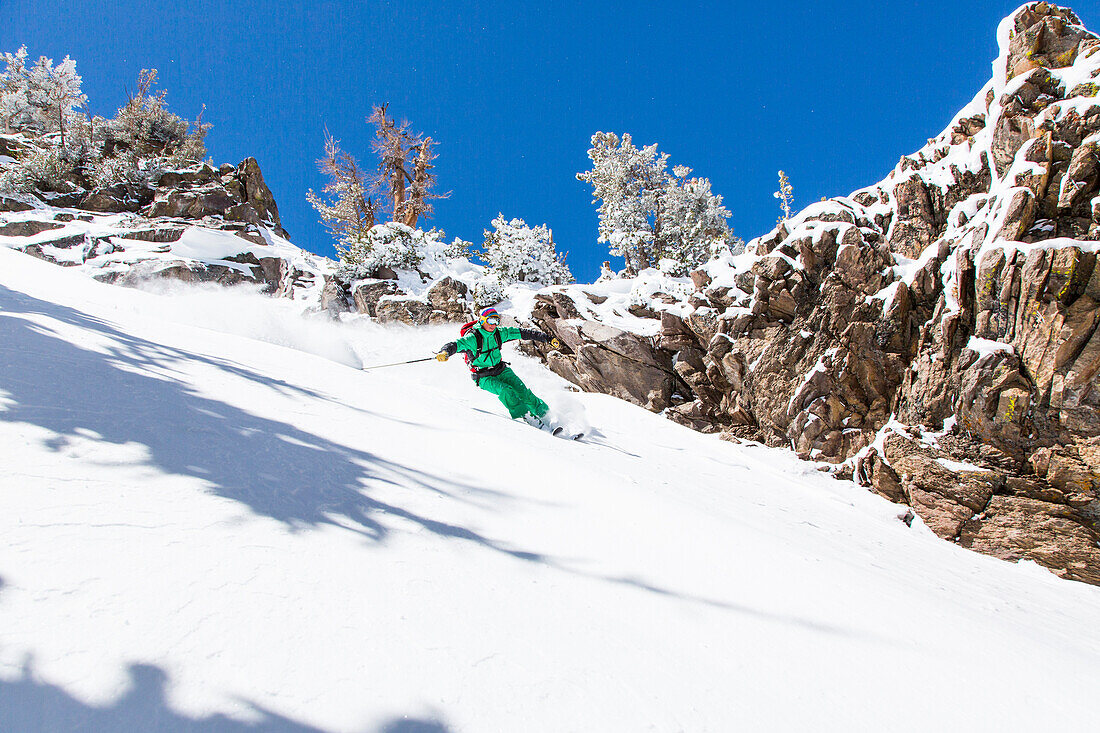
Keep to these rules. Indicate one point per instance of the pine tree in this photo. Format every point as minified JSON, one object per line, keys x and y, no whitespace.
{"x":15,"y":109}
{"x":626,"y":181}
{"x":40,"y":98}
{"x":404,"y":158}
{"x":350,"y":211}
{"x":646,"y":213}
{"x":144,"y":137}
{"x":786,"y":196}
{"x":391,"y":144}
{"x":144,"y":128}
{"x":695,"y":226}
{"x":420,"y":193}
{"x":56,"y":91}
{"x":519,"y":253}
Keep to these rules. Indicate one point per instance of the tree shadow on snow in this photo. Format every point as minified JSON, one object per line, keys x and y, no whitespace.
{"x":28,"y":705}
{"x":413,"y":725}
{"x":127,"y":392}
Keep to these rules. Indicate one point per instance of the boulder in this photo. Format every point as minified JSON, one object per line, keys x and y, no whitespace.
{"x":448,"y":297}
{"x":1044,"y":35}
{"x":161,"y":234}
{"x":943,"y":497}
{"x":334,"y":298}
{"x":700,"y":279}
{"x":195,"y":175}
{"x":118,"y":198}
{"x":366,"y":295}
{"x":391,"y":309}
{"x":13,"y":147}
{"x":597,"y":369}
{"x":243,"y":212}
{"x":256,"y":192}
{"x":915,"y":226}
{"x":191,"y":203}
{"x":1019,"y":528}
{"x":12,"y":203}
{"x":184,"y":271}
{"x":1080,"y":182}
{"x":28,"y":228}
{"x":1009,"y":136}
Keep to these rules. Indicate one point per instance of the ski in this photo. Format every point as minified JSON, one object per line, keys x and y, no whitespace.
{"x":559,"y":432}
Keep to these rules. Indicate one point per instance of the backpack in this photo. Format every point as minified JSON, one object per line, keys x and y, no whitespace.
{"x":472,"y":326}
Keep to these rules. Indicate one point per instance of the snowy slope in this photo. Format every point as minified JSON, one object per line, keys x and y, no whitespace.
{"x":213,"y":520}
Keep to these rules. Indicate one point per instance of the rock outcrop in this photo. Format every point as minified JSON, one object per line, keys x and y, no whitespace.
{"x":229,"y":194}
{"x":934,"y":335}
{"x":197,"y":224}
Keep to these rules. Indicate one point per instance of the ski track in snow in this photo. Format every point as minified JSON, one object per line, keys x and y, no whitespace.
{"x":213,"y":520}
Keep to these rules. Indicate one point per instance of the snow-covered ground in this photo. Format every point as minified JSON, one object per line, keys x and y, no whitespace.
{"x":212,"y":520}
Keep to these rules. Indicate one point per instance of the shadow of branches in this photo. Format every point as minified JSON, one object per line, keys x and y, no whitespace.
{"x":28,"y":705}
{"x":130,"y":392}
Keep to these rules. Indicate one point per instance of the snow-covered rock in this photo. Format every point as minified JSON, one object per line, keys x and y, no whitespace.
{"x":196,"y":224}
{"x":885,"y":305}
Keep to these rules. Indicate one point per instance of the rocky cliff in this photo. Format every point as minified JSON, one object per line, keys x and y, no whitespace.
{"x":933,"y":336}
{"x":197,"y":224}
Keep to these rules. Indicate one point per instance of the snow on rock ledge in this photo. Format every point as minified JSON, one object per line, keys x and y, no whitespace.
{"x":196,"y":224}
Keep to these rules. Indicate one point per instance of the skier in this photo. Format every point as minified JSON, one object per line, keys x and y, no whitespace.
{"x":483,"y":344}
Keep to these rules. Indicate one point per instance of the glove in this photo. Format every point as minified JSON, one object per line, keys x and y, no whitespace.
{"x":442,"y":356}
{"x":555,"y":344}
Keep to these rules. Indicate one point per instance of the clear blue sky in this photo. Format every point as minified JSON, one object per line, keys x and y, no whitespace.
{"x":831,"y":93}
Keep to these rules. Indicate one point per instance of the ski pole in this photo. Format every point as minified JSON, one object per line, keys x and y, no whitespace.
{"x":399,"y":363}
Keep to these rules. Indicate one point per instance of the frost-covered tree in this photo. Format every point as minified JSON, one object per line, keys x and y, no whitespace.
{"x":648,"y":214}
{"x":350,"y":209}
{"x":785,"y":194}
{"x":489,"y":290}
{"x":400,"y":190}
{"x":459,"y":249}
{"x":392,"y":245}
{"x":42,"y":97}
{"x":143,"y":138}
{"x":16,"y":111}
{"x":519,"y":253}
{"x":56,"y":91}
{"x":627,"y":182}
{"x":391,"y":145}
{"x":423,"y":181}
{"x":144,"y":128}
{"x":694,"y":222}
{"x":45,"y":169}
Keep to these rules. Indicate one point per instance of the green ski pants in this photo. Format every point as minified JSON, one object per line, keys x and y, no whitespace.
{"x":514,"y":394}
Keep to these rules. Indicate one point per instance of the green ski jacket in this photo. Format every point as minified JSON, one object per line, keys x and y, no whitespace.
{"x":489,"y":355}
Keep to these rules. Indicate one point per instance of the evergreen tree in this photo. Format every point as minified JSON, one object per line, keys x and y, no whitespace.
{"x":519,"y":253}
{"x":404,"y":158}
{"x":41,"y":98}
{"x":648,"y":214}
{"x":145,"y":129}
{"x":626,"y":181}
{"x":403,"y":184}
{"x":695,"y":225}
{"x":56,"y":91}
{"x":16,"y":112}
{"x":423,"y":181}
{"x":350,"y":211}
{"x":785,"y":194}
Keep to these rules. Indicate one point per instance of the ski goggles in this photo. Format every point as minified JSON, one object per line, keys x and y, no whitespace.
{"x":491,"y":321}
